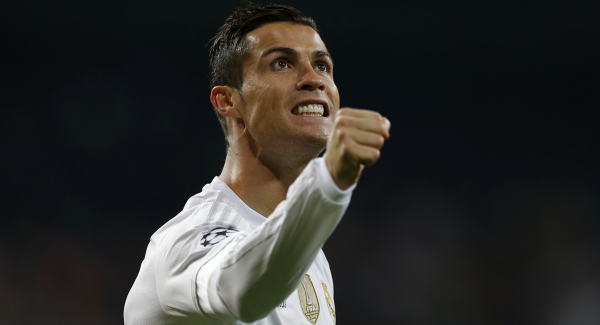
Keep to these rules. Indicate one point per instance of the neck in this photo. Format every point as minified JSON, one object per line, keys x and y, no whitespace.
{"x":259,"y":180}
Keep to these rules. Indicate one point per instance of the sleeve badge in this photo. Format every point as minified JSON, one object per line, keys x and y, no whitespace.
{"x":214,"y":236}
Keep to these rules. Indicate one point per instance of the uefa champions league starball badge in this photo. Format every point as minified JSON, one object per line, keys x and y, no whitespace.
{"x":214,"y":236}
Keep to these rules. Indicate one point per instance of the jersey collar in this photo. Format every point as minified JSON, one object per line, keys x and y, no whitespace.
{"x":254,"y":218}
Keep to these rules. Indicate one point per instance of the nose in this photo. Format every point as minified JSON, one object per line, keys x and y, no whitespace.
{"x":310,"y":80}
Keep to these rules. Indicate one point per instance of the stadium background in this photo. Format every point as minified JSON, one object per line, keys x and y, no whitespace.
{"x":484,"y":208}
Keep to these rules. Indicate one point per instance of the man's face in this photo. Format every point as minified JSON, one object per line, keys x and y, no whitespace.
{"x":288,"y":71}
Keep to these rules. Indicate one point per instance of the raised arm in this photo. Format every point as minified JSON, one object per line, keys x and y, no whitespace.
{"x":262,"y":269}
{"x":247,"y":275}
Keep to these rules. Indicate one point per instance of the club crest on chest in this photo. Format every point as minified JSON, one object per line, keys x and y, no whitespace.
{"x":329,"y":301}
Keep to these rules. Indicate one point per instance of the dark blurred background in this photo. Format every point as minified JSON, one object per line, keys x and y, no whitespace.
{"x":484,"y":208}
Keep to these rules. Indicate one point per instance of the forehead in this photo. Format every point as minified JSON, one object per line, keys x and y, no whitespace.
{"x":283,"y":34}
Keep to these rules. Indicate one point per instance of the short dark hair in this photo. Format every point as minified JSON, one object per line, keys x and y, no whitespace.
{"x":229,"y":48}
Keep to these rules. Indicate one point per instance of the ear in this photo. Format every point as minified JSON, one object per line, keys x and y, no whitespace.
{"x":225,"y":100}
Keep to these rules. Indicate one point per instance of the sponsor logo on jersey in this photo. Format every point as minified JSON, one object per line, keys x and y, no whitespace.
{"x":214,"y":236}
{"x":308,"y":299}
{"x":329,"y":301}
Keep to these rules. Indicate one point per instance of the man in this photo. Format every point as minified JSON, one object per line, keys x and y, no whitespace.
{"x":248,"y":247}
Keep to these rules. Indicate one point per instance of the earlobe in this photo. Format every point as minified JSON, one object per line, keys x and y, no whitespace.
{"x":225,"y":100}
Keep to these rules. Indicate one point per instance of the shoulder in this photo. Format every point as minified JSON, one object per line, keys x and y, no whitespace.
{"x":207,"y":218}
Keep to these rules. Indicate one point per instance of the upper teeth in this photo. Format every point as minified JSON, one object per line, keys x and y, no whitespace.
{"x":312,"y":109}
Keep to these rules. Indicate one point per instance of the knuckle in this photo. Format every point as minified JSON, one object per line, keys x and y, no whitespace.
{"x":347,"y":149}
{"x":373,"y":156}
{"x":376,"y":154}
{"x":382,"y":125}
{"x":341,"y":120}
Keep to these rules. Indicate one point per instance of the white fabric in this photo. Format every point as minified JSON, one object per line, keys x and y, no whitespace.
{"x":252,"y":275}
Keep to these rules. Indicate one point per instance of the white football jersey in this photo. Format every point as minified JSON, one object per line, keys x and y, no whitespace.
{"x":220,"y":262}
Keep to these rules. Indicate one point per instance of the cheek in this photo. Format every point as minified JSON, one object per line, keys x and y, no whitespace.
{"x":335,"y":97}
{"x":254,"y":94}
{"x":263,"y":116}
{"x":333,"y":90}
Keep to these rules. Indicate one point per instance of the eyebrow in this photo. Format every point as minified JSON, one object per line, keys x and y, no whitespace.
{"x":320,"y":54}
{"x":292,"y":52}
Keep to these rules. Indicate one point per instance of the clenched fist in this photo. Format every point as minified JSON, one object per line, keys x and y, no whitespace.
{"x":354,"y":143}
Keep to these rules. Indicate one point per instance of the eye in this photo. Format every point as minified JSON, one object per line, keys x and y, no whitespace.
{"x":280,"y":64}
{"x":322,"y":66}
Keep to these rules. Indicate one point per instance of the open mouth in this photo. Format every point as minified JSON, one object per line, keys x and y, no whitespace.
{"x":309,"y":110}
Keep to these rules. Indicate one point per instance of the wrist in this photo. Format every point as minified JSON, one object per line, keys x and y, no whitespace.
{"x":344,"y":178}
